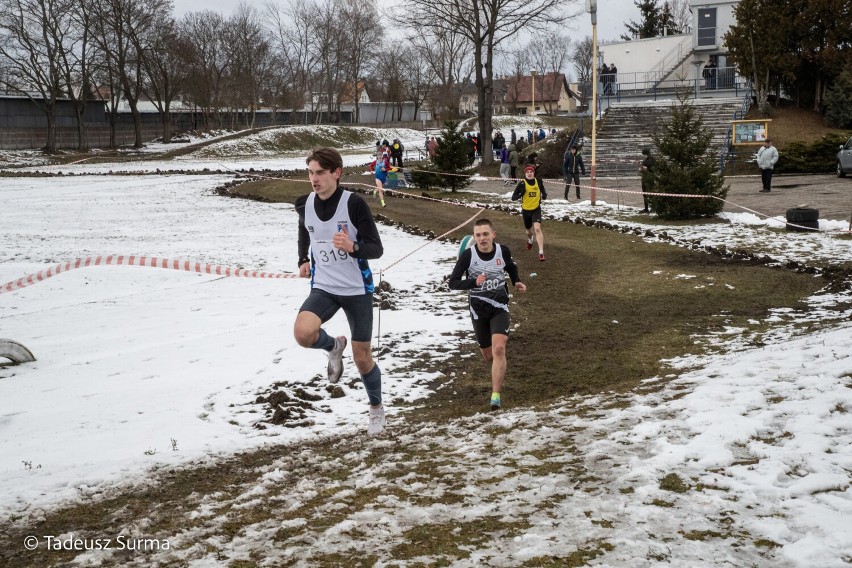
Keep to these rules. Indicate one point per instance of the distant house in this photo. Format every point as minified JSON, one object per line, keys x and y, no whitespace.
{"x":514,"y":95}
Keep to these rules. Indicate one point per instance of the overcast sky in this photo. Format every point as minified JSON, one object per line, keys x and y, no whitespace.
{"x":612,"y":15}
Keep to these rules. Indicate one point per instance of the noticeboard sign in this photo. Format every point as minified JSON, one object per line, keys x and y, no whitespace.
{"x":749,"y":131}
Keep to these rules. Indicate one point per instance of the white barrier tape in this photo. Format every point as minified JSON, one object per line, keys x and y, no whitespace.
{"x":132,"y":260}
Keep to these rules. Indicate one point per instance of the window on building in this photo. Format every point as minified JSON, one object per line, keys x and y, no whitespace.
{"x":707,"y":27}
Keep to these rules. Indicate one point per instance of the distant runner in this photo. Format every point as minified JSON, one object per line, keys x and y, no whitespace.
{"x":481,"y":270}
{"x":531,"y":189}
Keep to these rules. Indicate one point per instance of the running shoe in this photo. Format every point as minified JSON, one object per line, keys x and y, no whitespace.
{"x":335,"y":359}
{"x":495,"y":401}
{"x":529,"y":243}
{"x":377,"y":421}
{"x":541,"y":257}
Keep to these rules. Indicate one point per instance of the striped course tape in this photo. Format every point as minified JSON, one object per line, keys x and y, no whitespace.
{"x":152,"y":261}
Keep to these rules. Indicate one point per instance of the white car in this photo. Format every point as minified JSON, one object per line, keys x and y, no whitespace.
{"x":844,"y":159}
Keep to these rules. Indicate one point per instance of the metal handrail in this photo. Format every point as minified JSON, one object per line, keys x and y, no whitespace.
{"x":675,"y":54}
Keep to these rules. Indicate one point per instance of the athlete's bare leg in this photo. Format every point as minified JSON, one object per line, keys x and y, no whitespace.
{"x":496,"y":355}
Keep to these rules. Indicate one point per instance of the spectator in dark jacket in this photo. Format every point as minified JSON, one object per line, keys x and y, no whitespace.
{"x":571,"y":168}
{"x":646,"y":170}
{"x":396,"y":151}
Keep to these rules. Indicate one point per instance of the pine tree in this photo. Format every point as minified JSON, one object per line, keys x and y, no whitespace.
{"x":838,"y":99}
{"x":686,"y":165}
{"x":649,"y":26}
{"x":451,"y":158}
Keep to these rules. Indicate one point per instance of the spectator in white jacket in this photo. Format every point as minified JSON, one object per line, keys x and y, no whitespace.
{"x":766,"y":158}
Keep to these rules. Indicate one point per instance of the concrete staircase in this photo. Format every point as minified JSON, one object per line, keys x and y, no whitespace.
{"x":627,"y":127}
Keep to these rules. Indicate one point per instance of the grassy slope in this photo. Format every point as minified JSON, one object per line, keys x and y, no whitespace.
{"x":792,"y":124}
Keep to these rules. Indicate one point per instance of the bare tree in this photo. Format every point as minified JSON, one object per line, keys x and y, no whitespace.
{"x":327,"y":49}
{"x":550,"y":55}
{"x":681,"y":17}
{"x":359,"y":49}
{"x":123,"y":28}
{"x":33,"y":36}
{"x":519,"y":64}
{"x":77,"y":67}
{"x":211,"y":58}
{"x":448,"y":55}
{"x":486,"y":24}
{"x":252,"y":60}
{"x":166,"y":62}
{"x":388,"y":84}
{"x":581,"y":59}
{"x":292,"y":30}
{"x":417,"y":77}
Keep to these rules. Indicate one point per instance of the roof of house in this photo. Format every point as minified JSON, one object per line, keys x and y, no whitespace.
{"x":548,"y":88}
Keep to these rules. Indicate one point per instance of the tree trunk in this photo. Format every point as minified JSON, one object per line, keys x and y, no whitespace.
{"x":80,"y":115}
{"x":818,"y":93}
{"x":137,"y":125}
{"x":113,"y":119}
{"x":485,"y":88}
{"x":50,"y":147}
{"x":167,"y":124}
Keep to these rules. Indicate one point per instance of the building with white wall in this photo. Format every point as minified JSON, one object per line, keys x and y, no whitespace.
{"x":661,"y":63}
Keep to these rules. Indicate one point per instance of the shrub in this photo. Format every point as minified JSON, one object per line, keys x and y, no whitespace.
{"x":816,"y":157}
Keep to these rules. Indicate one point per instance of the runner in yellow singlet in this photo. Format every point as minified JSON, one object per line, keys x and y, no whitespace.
{"x":531,"y":192}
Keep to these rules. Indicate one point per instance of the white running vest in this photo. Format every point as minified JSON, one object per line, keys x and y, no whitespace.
{"x":333,"y":270}
{"x":493,"y":291}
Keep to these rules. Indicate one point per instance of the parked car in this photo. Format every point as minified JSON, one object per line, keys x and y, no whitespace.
{"x":844,"y":159}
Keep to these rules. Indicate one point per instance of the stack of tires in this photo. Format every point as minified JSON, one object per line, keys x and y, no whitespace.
{"x":802,"y":219}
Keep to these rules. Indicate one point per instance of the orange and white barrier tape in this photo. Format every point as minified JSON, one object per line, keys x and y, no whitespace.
{"x":130,"y":260}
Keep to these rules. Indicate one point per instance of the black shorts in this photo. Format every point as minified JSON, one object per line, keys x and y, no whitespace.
{"x":531,"y":216}
{"x":493,"y":321}
{"x":358,"y":310}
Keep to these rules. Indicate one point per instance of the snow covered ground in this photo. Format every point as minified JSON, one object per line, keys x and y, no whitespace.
{"x":139,"y":367}
{"x":132,"y":358}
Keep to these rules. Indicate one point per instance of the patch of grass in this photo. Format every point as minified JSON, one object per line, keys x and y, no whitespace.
{"x":703,"y":535}
{"x":766,"y":543}
{"x":455,"y":540}
{"x":662,"y":503}
{"x":673,"y":482}
{"x":580,"y":557}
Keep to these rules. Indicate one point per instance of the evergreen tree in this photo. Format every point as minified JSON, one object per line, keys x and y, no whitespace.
{"x":838,"y":100}
{"x":668,"y":26}
{"x":649,"y":26}
{"x":686,"y":165}
{"x":450,"y":166}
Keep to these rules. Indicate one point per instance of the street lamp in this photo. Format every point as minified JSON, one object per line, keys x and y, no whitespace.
{"x":533,"y":72}
{"x":592,"y":8}
{"x":697,"y":64}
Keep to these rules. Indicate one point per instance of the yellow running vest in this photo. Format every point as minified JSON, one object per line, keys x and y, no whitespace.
{"x":532,"y":196}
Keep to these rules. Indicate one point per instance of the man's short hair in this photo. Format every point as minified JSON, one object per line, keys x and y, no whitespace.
{"x":767,"y":141}
{"x":328,"y":158}
{"x":480,"y":222}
